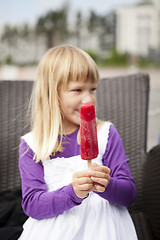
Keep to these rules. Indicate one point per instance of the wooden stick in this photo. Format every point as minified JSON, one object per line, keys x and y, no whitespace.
{"x":89,"y":163}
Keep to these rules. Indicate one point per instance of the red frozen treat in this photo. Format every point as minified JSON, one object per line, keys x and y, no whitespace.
{"x":88,"y":132}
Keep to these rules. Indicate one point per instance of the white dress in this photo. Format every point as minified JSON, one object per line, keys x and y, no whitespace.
{"x":94,"y":219}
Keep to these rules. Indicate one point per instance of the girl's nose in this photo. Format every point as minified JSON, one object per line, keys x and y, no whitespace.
{"x":87,"y":99}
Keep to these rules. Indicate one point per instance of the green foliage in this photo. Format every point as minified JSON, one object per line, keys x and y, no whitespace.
{"x":145,"y":63}
{"x":117,"y":59}
{"x":8,"y":60}
{"x":92,"y":54}
{"x":114,"y":59}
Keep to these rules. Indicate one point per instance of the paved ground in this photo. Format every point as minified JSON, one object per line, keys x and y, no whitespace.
{"x":28,"y":73}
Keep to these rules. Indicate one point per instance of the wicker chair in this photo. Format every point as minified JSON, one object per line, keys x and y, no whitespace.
{"x":151,"y":184}
{"x":14,"y":98}
{"x":122,"y":100}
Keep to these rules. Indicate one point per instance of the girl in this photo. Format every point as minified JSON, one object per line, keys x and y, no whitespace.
{"x":65,"y":199}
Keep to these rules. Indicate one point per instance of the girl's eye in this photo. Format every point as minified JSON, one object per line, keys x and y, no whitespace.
{"x":93,"y":89}
{"x":77,"y":90}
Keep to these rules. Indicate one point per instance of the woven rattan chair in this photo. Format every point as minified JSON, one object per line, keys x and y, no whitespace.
{"x":151,"y":184}
{"x":122,"y":100}
{"x":14,"y":98}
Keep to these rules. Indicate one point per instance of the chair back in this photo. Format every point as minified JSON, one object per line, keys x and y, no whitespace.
{"x":124,"y":101}
{"x":14,"y":99}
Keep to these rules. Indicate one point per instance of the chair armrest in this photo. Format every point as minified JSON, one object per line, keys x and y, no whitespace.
{"x":151,"y":189}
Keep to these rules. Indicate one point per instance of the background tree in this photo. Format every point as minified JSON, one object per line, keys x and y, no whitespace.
{"x":107,"y":32}
{"x":9,"y":39}
{"x":54,"y":25}
{"x":93,"y":22}
{"x":146,"y":1}
{"x":78,"y":28}
{"x":9,"y":34}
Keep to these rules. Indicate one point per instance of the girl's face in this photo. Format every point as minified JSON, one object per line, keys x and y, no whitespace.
{"x":71,"y":99}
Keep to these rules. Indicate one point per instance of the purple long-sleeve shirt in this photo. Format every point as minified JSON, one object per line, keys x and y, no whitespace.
{"x":38,"y":203}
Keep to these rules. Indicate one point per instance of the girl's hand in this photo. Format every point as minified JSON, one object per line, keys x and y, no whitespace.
{"x":82,"y":184}
{"x":100,"y":175}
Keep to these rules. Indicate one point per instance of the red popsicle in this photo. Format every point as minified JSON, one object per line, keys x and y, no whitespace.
{"x":88,"y":133}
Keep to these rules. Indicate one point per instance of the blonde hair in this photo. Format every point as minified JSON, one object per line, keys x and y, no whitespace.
{"x":57,"y":67}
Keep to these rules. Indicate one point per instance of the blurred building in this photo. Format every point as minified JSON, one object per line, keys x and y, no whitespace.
{"x":138,"y":29}
{"x":132,"y":29}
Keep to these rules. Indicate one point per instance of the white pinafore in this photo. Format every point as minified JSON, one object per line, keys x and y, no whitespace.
{"x":94,"y":219}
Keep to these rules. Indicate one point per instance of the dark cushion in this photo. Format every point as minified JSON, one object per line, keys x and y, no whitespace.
{"x":12,"y":216}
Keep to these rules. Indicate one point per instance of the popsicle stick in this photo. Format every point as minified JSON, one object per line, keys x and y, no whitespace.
{"x":89,"y":163}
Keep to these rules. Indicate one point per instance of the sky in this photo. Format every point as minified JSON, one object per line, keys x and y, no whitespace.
{"x":27,"y":11}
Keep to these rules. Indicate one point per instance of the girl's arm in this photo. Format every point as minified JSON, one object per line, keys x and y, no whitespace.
{"x":121,"y":187}
{"x":37,"y":202}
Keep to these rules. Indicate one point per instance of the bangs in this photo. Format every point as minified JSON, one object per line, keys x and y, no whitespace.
{"x":75,"y":65}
